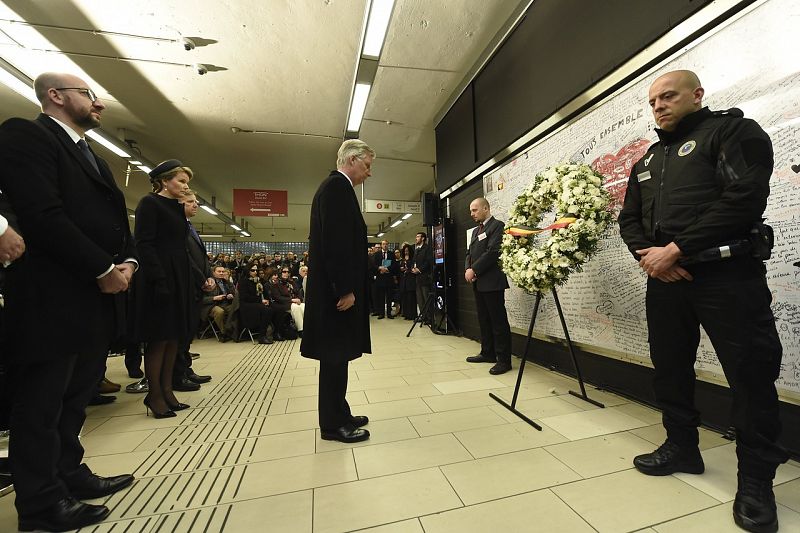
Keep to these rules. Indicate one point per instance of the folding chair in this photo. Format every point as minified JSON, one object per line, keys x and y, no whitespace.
{"x":247,"y":330}
{"x":212,"y":327}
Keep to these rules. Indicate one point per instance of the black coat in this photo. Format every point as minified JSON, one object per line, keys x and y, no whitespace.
{"x":337,"y":267}
{"x":423,"y":260}
{"x":75,"y":226}
{"x":385,"y":279}
{"x":164,"y":295}
{"x":483,"y":257}
{"x":251,"y":304}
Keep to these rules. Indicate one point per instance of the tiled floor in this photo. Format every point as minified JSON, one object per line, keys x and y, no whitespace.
{"x":443,"y":457}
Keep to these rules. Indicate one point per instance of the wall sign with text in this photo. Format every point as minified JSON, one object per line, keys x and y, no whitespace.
{"x":260,"y":203}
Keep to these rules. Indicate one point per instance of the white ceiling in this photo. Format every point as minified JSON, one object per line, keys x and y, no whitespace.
{"x":284,"y":65}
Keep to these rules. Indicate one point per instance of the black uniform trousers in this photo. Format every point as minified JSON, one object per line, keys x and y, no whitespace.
{"x":493,"y":321}
{"x":334,"y":411}
{"x":735,"y":313}
{"x":183,"y":361}
{"x":383,"y":297}
{"x":47,"y":415}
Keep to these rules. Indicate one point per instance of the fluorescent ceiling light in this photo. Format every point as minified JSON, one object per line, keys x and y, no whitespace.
{"x":108,"y":144}
{"x":208,"y":209}
{"x":132,"y":162}
{"x":211,"y":235}
{"x":237,"y":228}
{"x":132,"y":216}
{"x":145,"y":169}
{"x":17,"y":85}
{"x":396,"y":223}
{"x":381,"y":234}
{"x":406,"y":216}
{"x":379,"y":14}
{"x":360,"y":96}
{"x":245,"y":234}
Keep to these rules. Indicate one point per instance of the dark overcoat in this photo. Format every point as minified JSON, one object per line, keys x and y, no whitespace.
{"x":337,"y":266}
{"x":483,"y":256}
{"x":75,"y":226}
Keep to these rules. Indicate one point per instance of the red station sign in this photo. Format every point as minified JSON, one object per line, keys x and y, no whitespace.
{"x":260,"y":203}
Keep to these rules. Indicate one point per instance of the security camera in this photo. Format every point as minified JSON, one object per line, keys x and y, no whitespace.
{"x":272,"y":234}
{"x":201,"y":69}
{"x":187,"y":43}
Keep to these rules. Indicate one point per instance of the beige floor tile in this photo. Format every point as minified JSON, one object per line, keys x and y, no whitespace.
{"x":413,"y":454}
{"x":381,"y":431}
{"x":394,"y":409}
{"x":451,"y":421}
{"x":296,"y":392}
{"x":517,"y":513}
{"x":433,"y":377}
{"x":113,"y":443}
{"x":382,"y":500}
{"x":284,"y":445}
{"x":506,"y":475}
{"x":120,"y":463}
{"x":93,"y":423}
{"x":299,"y":381}
{"x":642,"y":412}
{"x":657,"y":435}
{"x":788,"y":494}
{"x":454,"y":365}
{"x":606,"y":398}
{"x":297,"y":473}
{"x":310,"y":403}
{"x":388,"y":372}
{"x":297,"y":372}
{"x":8,"y":513}
{"x":121,"y":424}
{"x":375,"y":383}
{"x":278,"y":407}
{"x":290,"y":422}
{"x":382,"y":364}
{"x":401,"y":393}
{"x":592,"y":423}
{"x":468,"y":385}
{"x":406,"y":526}
{"x":719,"y":479}
{"x":463,"y":400}
{"x":719,"y":519}
{"x":628,"y":500}
{"x":287,"y":513}
{"x":601,"y":455}
{"x":496,"y":440}
{"x":538,"y":408}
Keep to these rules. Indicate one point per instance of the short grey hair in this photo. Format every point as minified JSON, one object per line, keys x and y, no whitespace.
{"x":350,"y":148}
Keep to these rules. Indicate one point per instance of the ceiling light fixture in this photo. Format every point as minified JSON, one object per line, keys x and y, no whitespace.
{"x":406,"y":216}
{"x":380,"y":12}
{"x":208,"y":210}
{"x":145,"y":169}
{"x":245,"y":234}
{"x":11,"y":78}
{"x":381,"y":234}
{"x":206,"y":235}
{"x":237,"y":228}
{"x":108,"y":143}
{"x":134,"y":162}
{"x":396,"y":223}
{"x":357,"y":106}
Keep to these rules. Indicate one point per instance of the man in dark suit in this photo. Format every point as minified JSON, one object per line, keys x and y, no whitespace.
{"x":217,"y":301}
{"x":75,"y":224}
{"x":386,"y":269}
{"x":489,"y":284}
{"x":422,"y":269}
{"x":183,"y":377}
{"x":336,"y":328}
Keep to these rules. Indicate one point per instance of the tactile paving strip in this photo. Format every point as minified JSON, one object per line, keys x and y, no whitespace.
{"x":195,"y":471}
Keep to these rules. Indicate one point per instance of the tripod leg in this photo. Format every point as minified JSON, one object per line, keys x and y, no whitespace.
{"x":422,"y":313}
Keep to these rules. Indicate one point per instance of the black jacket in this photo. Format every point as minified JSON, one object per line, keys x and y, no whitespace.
{"x":483,"y":256}
{"x":701,"y":185}
{"x":423,"y":260}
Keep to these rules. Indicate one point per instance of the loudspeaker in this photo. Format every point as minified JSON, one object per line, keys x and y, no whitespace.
{"x":430,"y":209}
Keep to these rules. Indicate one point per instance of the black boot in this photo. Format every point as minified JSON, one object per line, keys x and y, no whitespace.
{"x":754,"y":507}
{"x":670,"y":458}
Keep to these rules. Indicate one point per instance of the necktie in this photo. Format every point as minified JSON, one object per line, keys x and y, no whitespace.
{"x":194,"y":232}
{"x":480,"y":228}
{"x":88,"y":154}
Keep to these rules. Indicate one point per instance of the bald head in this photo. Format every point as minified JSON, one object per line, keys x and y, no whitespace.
{"x":479,"y":210}
{"x":674,"y":95}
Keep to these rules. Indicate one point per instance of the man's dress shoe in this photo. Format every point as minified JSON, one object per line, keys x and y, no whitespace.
{"x":107,"y":387}
{"x":500,"y":368}
{"x":346,"y":434}
{"x":64,"y":515}
{"x":184,"y":385}
{"x":138,"y":386}
{"x":95,"y":486}
{"x":97,"y":399}
{"x":480,"y":359}
{"x":197,"y":379}
{"x":358,"y":421}
{"x":670,"y":458}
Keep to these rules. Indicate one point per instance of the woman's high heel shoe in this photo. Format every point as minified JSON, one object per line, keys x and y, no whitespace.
{"x":179,"y":406}
{"x":156,"y":414}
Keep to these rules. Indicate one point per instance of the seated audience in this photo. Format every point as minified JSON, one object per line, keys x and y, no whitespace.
{"x":254,"y":306}
{"x":218,"y":300}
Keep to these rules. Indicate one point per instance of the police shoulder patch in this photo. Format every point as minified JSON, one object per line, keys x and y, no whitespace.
{"x":686,"y":148}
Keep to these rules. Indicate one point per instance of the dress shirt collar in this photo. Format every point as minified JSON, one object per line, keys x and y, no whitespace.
{"x":346,"y":176}
{"x":72,"y":133}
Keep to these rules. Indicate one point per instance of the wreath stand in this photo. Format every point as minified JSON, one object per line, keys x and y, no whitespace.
{"x":582,"y":395}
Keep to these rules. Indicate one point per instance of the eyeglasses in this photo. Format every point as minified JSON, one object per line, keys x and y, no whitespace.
{"x":88,"y":93}
{"x":253,"y":270}
{"x":284,"y":271}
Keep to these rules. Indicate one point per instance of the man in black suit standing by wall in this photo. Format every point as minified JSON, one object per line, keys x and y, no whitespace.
{"x":75,"y":224}
{"x":422,"y":269}
{"x":336,"y":328}
{"x":386,"y":269}
{"x":489,"y":284}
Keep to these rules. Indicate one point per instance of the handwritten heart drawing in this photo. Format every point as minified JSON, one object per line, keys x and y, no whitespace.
{"x":796,"y":168}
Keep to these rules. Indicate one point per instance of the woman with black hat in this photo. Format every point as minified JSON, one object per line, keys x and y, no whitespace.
{"x":162,"y":297}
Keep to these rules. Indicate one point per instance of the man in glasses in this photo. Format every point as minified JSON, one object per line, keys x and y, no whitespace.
{"x":68,"y":207}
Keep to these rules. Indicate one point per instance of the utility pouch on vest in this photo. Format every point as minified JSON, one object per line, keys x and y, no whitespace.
{"x":758,"y":245}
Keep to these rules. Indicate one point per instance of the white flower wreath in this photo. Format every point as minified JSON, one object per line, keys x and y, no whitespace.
{"x":581,"y":204}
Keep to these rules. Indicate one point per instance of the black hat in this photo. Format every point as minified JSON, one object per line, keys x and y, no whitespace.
{"x":164,"y":166}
